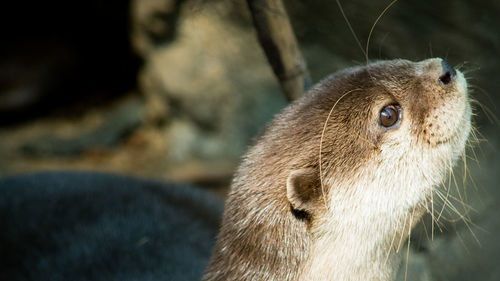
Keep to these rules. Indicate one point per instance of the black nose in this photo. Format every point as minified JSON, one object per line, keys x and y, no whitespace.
{"x":448,"y":73}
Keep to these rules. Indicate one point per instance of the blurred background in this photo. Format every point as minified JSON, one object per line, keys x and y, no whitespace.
{"x":177,"y":90}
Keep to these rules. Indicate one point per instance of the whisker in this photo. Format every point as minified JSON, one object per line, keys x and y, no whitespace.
{"x":350,"y":27}
{"x":321,"y":147}
{"x":402,"y":234}
{"x":390,"y":247}
{"x":467,"y":221}
{"x":408,"y":248}
{"x":432,"y":216}
{"x":482,"y":91}
{"x":373,"y":27}
{"x":487,"y":112}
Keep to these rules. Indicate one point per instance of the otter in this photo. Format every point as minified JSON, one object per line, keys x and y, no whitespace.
{"x":328,"y":192}
{"x":81,"y":226}
{"x":340,"y":177}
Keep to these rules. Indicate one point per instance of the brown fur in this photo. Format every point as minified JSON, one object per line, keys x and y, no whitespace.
{"x":262,"y":235}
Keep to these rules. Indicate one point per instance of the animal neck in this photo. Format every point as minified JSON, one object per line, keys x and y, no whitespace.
{"x":354,"y":255}
{"x":356,"y":242}
{"x":328,"y":265}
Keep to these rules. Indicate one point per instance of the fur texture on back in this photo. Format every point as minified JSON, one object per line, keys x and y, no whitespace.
{"x":89,"y":226}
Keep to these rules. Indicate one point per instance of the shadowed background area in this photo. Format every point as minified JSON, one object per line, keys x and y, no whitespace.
{"x":176,"y":90}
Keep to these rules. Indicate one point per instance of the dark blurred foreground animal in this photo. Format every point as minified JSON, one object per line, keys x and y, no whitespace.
{"x":90,"y":226}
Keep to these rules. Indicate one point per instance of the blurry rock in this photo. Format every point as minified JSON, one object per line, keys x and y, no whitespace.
{"x":216,"y":84}
{"x":116,"y":125}
{"x":153,"y":22}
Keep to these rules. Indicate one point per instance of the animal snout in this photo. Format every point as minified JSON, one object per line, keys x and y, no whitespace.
{"x":448,"y":73}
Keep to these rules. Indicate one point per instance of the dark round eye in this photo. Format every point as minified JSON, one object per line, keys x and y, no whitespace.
{"x":389,"y":115}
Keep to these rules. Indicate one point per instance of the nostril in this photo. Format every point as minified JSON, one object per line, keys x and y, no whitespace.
{"x":448,"y":73}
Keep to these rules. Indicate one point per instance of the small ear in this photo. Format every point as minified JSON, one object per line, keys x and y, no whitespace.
{"x":302,"y":189}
